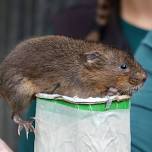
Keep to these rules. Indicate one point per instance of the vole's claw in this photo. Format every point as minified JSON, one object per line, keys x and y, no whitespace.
{"x":108,"y":103}
{"x":19,"y":129}
{"x":27,"y":131}
{"x":31,"y":127}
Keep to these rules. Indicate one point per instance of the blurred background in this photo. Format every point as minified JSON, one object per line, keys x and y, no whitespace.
{"x":21,"y":19}
{"x":125,"y":24}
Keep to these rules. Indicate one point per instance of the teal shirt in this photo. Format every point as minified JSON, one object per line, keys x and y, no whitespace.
{"x":132,"y":34}
{"x":141,"y":110}
{"x":140,"y":42}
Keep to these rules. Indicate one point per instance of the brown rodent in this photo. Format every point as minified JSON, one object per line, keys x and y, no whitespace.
{"x":77,"y":67}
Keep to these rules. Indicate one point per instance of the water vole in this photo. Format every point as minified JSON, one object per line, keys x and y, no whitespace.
{"x":65,"y":66}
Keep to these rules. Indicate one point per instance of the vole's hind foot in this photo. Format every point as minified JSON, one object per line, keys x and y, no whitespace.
{"x":27,"y":125}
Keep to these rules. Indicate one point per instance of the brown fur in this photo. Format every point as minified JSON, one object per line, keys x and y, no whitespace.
{"x":81,"y":68}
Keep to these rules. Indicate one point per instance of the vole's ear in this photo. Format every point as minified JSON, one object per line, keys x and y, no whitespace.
{"x":91,"y":58}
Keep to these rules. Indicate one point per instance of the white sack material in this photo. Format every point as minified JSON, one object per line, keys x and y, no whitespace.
{"x":78,"y":100}
{"x":60,"y":128}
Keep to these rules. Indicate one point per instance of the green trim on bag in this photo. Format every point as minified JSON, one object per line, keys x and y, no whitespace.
{"x":125,"y":104}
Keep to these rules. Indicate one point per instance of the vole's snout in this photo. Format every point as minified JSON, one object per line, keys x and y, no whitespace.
{"x":142,"y":77}
{"x":138,"y":78}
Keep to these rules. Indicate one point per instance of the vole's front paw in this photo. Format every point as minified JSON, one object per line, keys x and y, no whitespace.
{"x":112,"y":91}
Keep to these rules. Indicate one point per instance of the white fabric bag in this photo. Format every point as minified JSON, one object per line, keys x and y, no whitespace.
{"x":78,"y":127}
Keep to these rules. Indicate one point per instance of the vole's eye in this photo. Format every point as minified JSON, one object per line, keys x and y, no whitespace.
{"x":123,"y":66}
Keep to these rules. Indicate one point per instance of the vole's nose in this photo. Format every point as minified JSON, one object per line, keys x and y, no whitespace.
{"x":144,"y":77}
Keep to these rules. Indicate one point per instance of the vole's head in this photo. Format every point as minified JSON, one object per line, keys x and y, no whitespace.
{"x":107,"y":67}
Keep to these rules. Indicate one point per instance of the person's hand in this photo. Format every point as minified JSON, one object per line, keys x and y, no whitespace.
{"x":4,"y":147}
